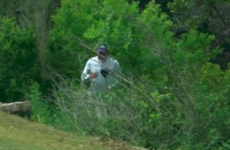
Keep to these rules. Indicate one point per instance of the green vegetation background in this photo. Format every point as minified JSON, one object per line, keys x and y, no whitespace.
{"x":174,"y":56}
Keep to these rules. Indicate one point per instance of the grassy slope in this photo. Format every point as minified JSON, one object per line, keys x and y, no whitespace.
{"x":20,"y":134}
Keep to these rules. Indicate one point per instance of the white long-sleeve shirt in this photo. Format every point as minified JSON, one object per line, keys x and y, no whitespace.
{"x":101,"y":83}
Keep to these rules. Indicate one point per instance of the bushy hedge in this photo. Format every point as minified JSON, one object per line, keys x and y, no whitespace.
{"x":18,"y":60}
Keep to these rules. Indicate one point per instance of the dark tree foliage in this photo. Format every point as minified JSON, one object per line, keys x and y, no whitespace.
{"x":213,"y":19}
{"x":144,"y":3}
{"x":210,"y":17}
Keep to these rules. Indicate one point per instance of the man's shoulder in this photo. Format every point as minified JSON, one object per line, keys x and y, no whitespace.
{"x":93,"y":59}
{"x":114,"y":60}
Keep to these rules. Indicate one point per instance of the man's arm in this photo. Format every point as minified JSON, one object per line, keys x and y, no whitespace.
{"x":116,"y":74}
{"x":85,"y":76}
{"x":117,"y":68}
{"x":87,"y":73}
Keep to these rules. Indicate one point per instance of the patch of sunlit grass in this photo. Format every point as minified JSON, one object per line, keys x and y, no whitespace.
{"x":20,"y":134}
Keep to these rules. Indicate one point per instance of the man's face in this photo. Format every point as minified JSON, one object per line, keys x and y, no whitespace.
{"x":103,"y":56}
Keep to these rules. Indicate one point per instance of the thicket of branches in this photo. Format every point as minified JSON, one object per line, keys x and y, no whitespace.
{"x":174,"y":88}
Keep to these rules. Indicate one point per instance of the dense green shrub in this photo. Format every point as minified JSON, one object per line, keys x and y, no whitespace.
{"x":40,"y":109}
{"x":67,"y":43}
{"x":45,"y":111}
{"x":17,"y":60}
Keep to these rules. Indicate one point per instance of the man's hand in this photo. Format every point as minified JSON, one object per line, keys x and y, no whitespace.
{"x":93,"y":75}
{"x":108,"y":89}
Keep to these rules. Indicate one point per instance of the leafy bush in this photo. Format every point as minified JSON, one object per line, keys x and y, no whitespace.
{"x":40,"y":109}
{"x":45,"y":111}
{"x":18,"y":60}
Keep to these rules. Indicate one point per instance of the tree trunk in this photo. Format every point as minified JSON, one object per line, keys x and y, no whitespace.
{"x":16,"y":107}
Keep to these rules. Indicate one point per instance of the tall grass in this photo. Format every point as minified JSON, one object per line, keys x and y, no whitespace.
{"x":138,"y":113}
{"x":132,"y":112}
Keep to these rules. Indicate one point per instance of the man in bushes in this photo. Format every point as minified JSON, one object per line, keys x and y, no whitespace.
{"x":101,"y":72}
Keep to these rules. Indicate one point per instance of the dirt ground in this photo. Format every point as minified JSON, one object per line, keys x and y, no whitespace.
{"x":117,"y":144}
